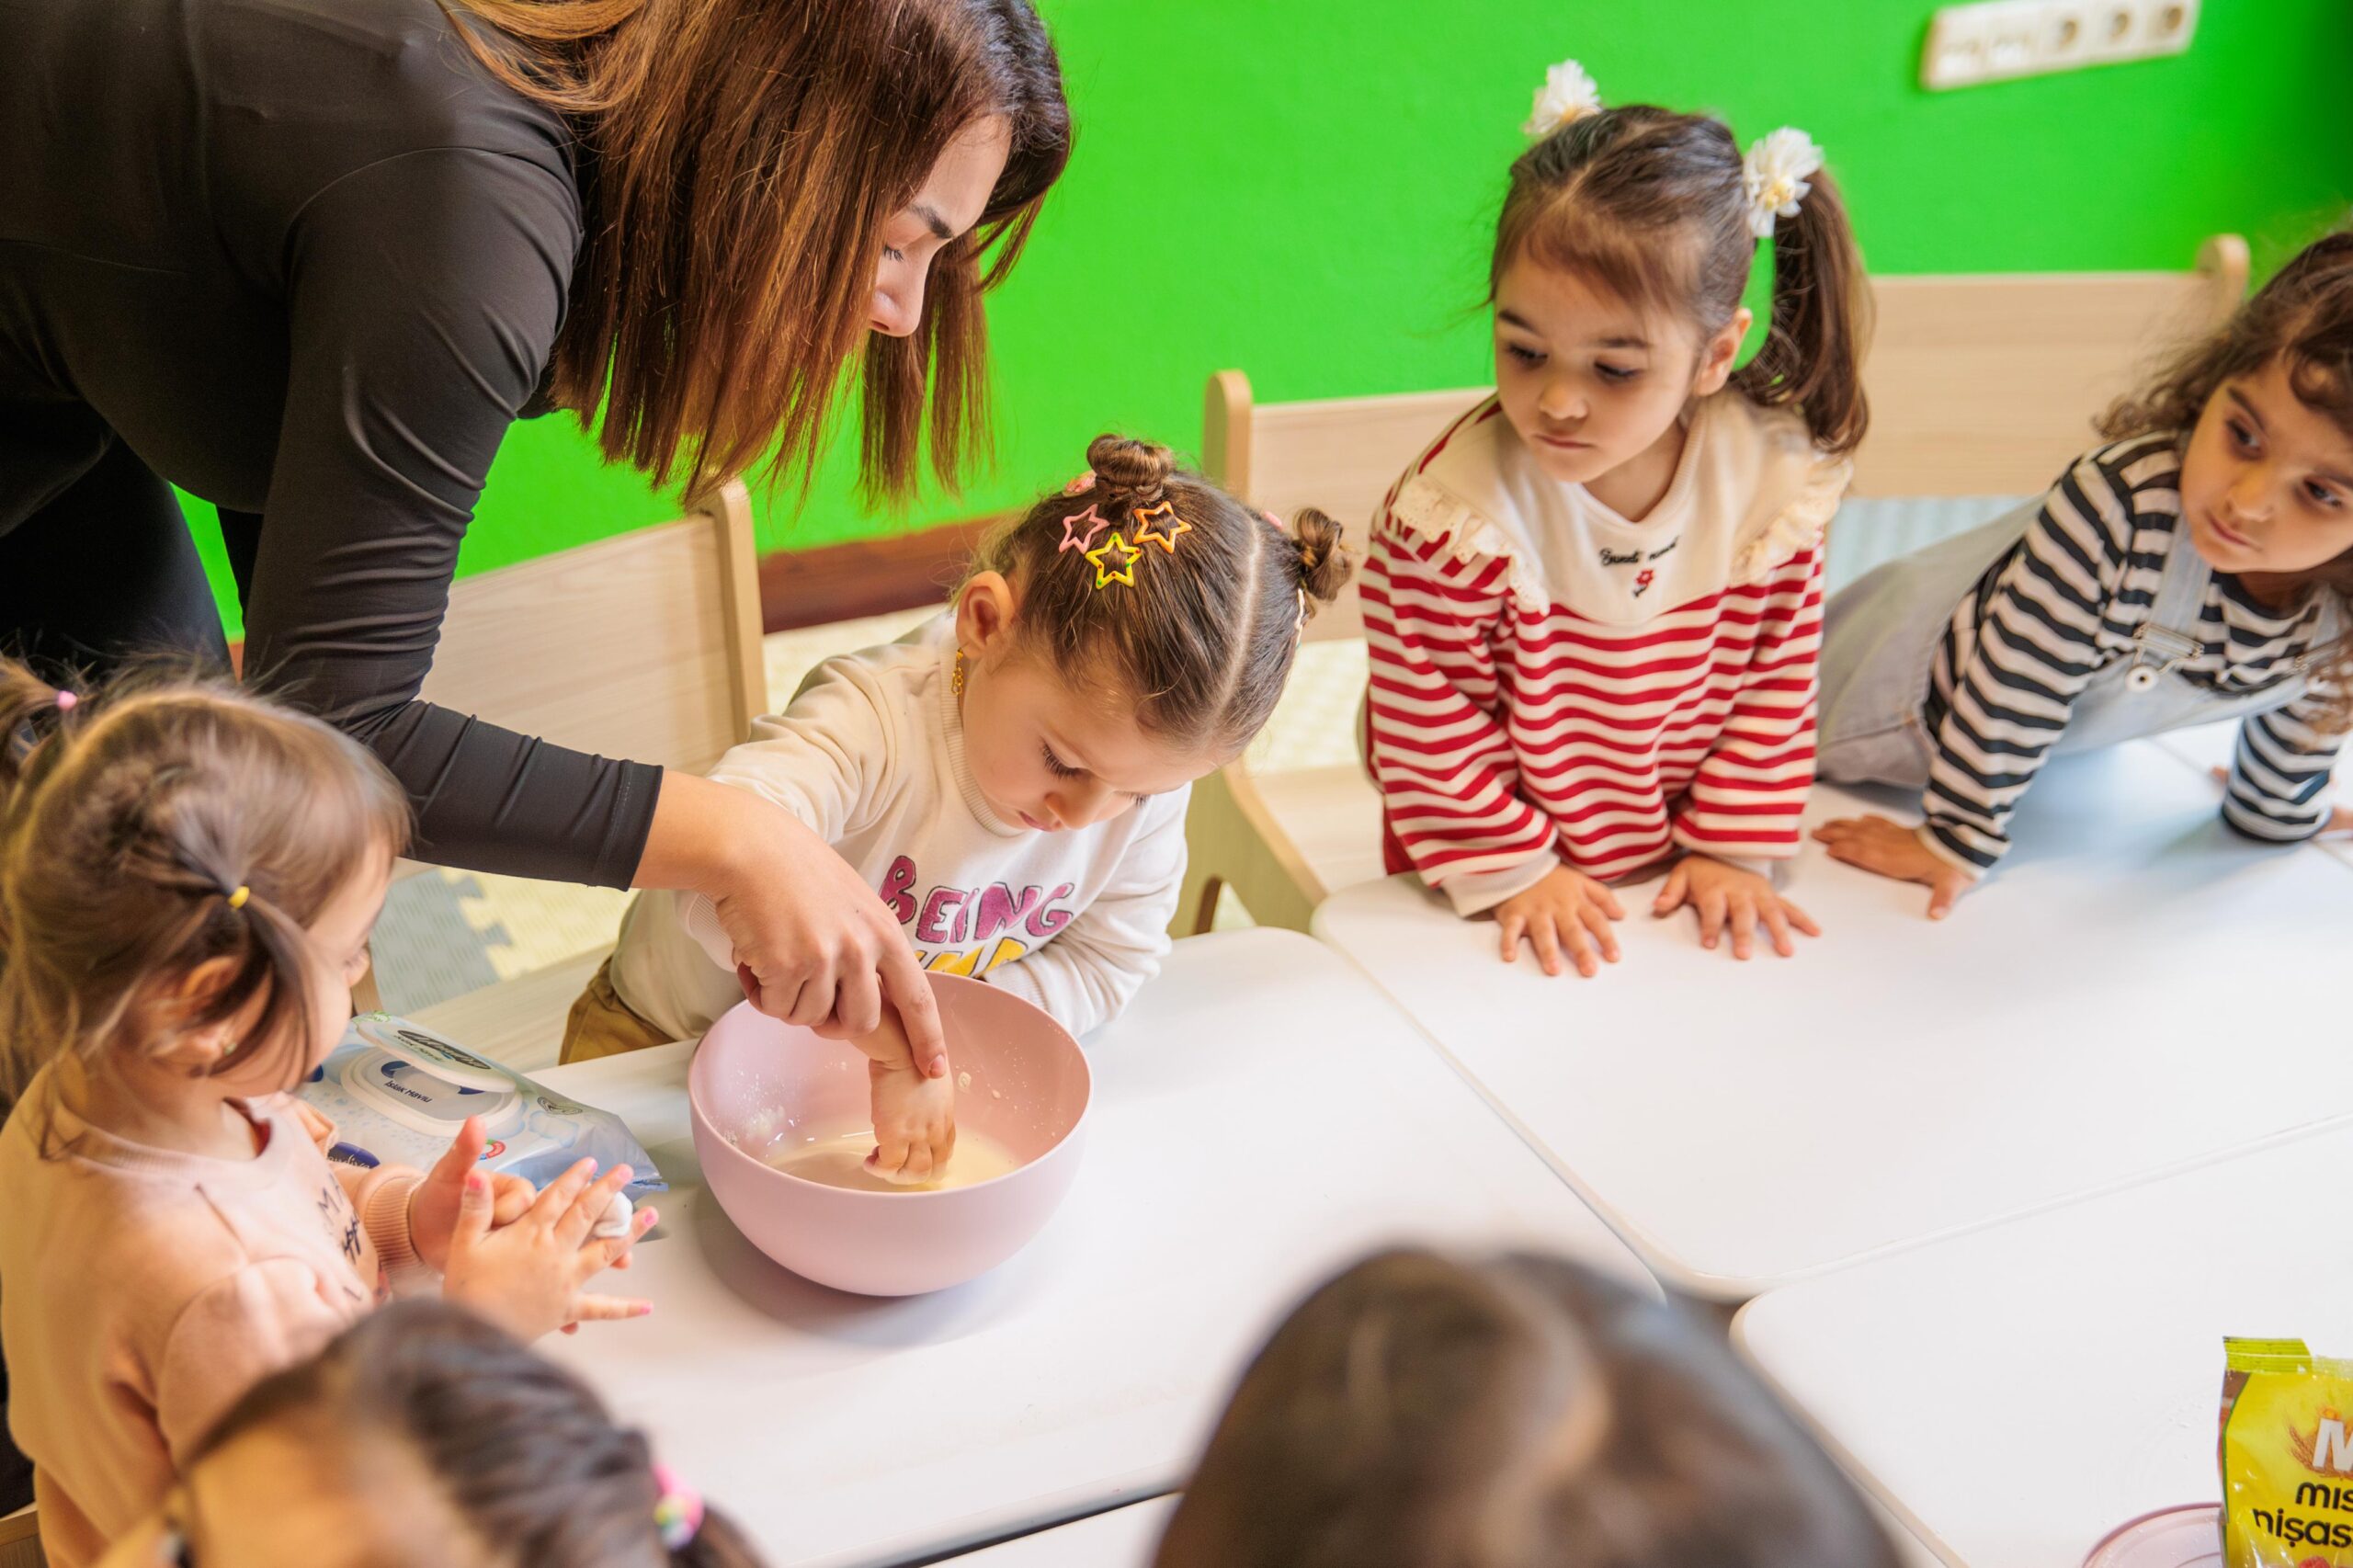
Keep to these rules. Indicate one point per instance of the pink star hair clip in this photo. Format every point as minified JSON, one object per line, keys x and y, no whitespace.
{"x":1073,"y":539}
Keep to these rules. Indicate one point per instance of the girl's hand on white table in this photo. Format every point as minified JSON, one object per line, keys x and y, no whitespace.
{"x":1890,"y":849}
{"x":1567,"y":909}
{"x":1728,"y":896}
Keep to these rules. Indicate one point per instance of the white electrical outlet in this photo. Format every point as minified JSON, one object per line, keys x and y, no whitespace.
{"x":1998,"y":39}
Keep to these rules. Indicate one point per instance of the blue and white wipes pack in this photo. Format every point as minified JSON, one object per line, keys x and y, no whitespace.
{"x":397,"y":1093}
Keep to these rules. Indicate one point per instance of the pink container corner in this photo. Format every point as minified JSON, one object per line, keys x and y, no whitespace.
{"x":753,"y":1079}
{"x":2186,"y":1536}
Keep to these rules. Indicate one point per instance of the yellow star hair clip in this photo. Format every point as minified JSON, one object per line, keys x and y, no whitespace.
{"x":1105,"y":573}
{"x":1146,"y":533}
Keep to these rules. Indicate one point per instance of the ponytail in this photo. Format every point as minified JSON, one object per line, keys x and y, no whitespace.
{"x":1812,"y":356}
{"x":31,"y":711}
{"x":719,"y":1544}
{"x":1325,"y":564}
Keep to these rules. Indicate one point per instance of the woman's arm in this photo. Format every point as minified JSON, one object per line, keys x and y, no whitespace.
{"x":422,"y":294}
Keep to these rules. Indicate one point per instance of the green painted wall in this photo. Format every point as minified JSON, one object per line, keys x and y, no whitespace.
{"x":1304,"y":189}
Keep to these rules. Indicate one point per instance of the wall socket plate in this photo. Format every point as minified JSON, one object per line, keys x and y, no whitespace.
{"x":2000,"y":40}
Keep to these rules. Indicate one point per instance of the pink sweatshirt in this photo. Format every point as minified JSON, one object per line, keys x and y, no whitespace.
{"x":143,"y":1291}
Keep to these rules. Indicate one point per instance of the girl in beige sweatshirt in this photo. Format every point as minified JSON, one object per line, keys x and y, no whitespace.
{"x":187,"y":879}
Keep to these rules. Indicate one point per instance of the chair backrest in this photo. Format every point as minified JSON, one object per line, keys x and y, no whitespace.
{"x":1980,"y":385}
{"x":1339,"y":454}
{"x":1988,"y":386}
{"x":645,"y":646}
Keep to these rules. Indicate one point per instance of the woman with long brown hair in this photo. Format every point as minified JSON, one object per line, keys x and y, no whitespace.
{"x":307,"y":259}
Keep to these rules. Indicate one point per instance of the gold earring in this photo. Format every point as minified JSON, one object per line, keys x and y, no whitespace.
{"x":956,"y":675}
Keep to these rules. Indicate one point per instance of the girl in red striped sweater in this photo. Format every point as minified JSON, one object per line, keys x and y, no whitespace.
{"x":1595,"y":602}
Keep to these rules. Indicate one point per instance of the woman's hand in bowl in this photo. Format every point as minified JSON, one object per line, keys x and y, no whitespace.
{"x":826,"y":951}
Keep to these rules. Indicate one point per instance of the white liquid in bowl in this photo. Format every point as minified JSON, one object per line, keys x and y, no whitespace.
{"x":836,"y":1156}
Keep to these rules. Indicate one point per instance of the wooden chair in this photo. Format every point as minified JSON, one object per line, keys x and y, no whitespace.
{"x":20,"y":1540}
{"x":645,"y":646}
{"x":1980,"y":385}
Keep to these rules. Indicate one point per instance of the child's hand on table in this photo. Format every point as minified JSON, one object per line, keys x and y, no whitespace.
{"x":915,"y":1111}
{"x":1567,"y":909}
{"x":528,"y":1276}
{"x":433,"y":1206}
{"x":1889,"y":848}
{"x":1725,"y":895}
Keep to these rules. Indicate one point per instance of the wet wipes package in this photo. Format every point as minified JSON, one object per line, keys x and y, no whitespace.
{"x":2287,"y":1457}
{"x":397,"y":1093}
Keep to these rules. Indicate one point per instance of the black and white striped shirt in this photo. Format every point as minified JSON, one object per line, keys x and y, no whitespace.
{"x":2065,"y":603}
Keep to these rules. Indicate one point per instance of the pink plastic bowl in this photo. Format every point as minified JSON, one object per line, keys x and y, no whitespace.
{"x":755,"y":1081}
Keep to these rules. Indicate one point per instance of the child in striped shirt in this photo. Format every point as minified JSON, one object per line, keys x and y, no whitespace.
{"x":1594,"y":603}
{"x":2195,"y":569}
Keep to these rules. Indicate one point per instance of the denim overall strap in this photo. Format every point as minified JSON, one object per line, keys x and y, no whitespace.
{"x":2169,"y":637}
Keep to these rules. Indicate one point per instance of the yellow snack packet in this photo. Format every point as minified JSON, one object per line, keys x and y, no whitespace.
{"x":2287,"y":1454}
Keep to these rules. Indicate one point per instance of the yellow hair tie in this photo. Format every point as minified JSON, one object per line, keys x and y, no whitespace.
{"x":237,"y":899}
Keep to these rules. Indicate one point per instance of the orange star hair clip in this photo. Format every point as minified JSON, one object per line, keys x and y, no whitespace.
{"x":1105,"y":573}
{"x":1148,"y":530}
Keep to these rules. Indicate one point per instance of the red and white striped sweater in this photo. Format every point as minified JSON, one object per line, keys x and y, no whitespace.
{"x":1550,"y":682}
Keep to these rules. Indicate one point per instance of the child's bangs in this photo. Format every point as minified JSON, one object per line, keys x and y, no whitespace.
{"x":1646,"y":268}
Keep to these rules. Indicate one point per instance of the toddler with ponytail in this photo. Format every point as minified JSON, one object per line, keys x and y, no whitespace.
{"x":1011,"y":778}
{"x":187,"y":879}
{"x":1594,"y":603}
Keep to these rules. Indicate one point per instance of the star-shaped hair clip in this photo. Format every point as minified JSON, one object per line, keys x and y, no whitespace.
{"x":1128,"y":555}
{"x":1073,"y":539}
{"x":1148,"y":533}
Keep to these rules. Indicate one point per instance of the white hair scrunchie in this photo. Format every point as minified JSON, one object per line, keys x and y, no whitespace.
{"x":1777,"y":174}
{"x":1567,"y":95}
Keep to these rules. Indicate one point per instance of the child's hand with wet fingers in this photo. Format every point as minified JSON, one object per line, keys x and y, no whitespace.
{"x":432,"y":1207}
{"x":915,"y":1108}
{"x":529,"y":1275}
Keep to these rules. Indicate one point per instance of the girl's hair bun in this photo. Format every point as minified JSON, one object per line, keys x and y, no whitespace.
{"x":1136,"y":469}
{"x":1325,"y":564}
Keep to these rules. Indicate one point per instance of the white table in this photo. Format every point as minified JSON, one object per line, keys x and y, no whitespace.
{"x":1262,"y":1116}
{"x":2015,"y":1393}
{"x":2067,"y":1029}
{"x":1124,"y":1538}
